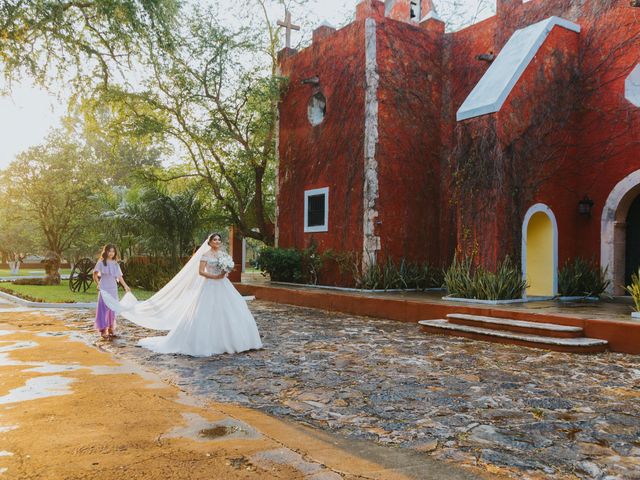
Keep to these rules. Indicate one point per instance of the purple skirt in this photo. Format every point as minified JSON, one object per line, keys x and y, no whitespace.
{"x":105,"y":318}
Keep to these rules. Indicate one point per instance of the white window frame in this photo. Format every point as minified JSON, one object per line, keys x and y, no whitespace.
{"x":310,"y":193}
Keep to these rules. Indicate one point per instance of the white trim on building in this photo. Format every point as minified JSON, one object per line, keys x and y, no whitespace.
{"x":312,"y":193}
{"x":496,"y":84}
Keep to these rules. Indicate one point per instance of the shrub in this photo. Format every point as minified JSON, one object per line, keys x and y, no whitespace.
{"x":634,"y":289}
{"x":405,"y":275}
{"x":149,"y":275}
{"x":423,"y":275}
{"x":581,"y":277}
{"x":389,"y":274}
{"x":464,"y":279}
{"x":282,"y":264}
{"x":290,"y":265}
{"x":311,"y":264}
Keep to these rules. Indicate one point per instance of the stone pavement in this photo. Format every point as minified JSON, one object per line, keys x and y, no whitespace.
{"x":512,"y":410}
{"x":71,"y":411}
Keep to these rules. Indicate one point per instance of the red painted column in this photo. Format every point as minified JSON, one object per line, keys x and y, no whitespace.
{"x":235,"y":247}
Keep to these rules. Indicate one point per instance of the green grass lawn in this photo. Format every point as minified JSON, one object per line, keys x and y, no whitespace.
{"x":61,"y":293}
{"x":28,"y":272}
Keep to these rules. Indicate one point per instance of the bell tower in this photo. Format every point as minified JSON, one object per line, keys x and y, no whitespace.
{"x":410,"y":11}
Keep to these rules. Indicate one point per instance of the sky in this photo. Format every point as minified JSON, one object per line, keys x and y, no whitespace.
{"x":30,"y":112}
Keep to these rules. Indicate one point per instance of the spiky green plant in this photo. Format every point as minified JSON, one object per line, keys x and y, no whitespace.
{"x":466,"y":280}
{"x":581,"y":277}
{"x":634,"y":289}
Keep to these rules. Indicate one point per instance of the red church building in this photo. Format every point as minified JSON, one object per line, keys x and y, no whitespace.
{"x":519,"y":135}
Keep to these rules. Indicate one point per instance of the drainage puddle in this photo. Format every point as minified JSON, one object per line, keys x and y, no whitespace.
{"x":200,"y":429}
{"x":215,"y":433}
{"x":39,"y":387}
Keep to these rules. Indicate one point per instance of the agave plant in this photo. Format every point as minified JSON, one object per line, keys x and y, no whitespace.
{"x":466,"y":280}
{"x":580,"y":277}
{"x":634,"y":289}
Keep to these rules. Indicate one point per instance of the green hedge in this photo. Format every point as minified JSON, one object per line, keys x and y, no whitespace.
{"x":149,"y":275}
{"x":305,"y":266}
{"x":282,"y":264}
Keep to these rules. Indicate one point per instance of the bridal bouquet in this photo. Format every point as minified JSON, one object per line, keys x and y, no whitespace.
{"x":225,"y":263}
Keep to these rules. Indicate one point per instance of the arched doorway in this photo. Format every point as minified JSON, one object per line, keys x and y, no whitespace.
{"x":540,"y":251}
{"x":620,"y":233}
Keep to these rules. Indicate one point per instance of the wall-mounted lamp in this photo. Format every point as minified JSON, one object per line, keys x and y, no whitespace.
{"x":585,"y":205}
{"x":315,"y":81}
{"x":487,"y":57}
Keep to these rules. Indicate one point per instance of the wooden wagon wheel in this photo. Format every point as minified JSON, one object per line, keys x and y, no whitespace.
{"x":81,"y":276}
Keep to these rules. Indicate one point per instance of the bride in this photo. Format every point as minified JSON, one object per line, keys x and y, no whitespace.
{"x":202,"y":310}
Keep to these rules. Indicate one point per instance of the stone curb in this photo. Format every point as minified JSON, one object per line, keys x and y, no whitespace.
{"x":347,"y":289}
{"x":29,"y":277}
{"x":30,"y":304}
{"x":484,"y":302}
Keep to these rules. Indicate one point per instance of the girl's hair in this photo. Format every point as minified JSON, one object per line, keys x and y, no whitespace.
{"x":214,"y":235}
{"x":105,"y":253}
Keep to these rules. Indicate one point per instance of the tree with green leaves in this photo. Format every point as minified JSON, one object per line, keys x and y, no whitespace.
{"x":18,"y":238}
{"x":52,"y":187}
{"x":215,"y":94}
{"x":81,"y":42}
{"x":122,"y":157}
{"x":164,"y":223}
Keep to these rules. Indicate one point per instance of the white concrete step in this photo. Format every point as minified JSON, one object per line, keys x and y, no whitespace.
{"x":521,"y":326}
{"x":577,"y":345}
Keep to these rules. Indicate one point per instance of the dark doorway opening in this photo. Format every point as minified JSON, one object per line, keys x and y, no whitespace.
{"x":632,"y":244}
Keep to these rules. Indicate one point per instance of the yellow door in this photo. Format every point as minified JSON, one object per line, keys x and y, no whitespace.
{"x":539,"y":266}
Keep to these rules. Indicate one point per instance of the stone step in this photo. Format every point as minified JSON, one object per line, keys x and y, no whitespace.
{"x":520,"y":326}
{"x":573,"y":345}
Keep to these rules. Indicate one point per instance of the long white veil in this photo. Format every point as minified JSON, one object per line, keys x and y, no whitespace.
{"x":173,"y":302}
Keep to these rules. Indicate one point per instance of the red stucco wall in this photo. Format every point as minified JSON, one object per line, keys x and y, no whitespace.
{"x":410,"y":96}
{"x":424,"y":78}
{"x":329,"y":154}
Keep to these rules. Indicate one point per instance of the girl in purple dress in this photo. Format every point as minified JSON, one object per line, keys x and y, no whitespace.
{"x":107,"y":274}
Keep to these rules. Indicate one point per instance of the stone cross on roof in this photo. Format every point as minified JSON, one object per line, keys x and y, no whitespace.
{"x":289,"y":26}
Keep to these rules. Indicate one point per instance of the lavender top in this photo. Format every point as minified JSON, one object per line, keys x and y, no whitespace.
{"x":109,"y":274}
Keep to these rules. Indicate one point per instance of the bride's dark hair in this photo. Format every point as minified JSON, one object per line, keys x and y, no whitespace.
{"x":214,"y":235}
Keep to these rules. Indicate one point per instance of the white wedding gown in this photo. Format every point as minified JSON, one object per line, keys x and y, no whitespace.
{"x":204,"y":316}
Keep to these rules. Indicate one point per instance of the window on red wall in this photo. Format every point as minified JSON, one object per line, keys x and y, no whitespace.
{"x":316,"y":210}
